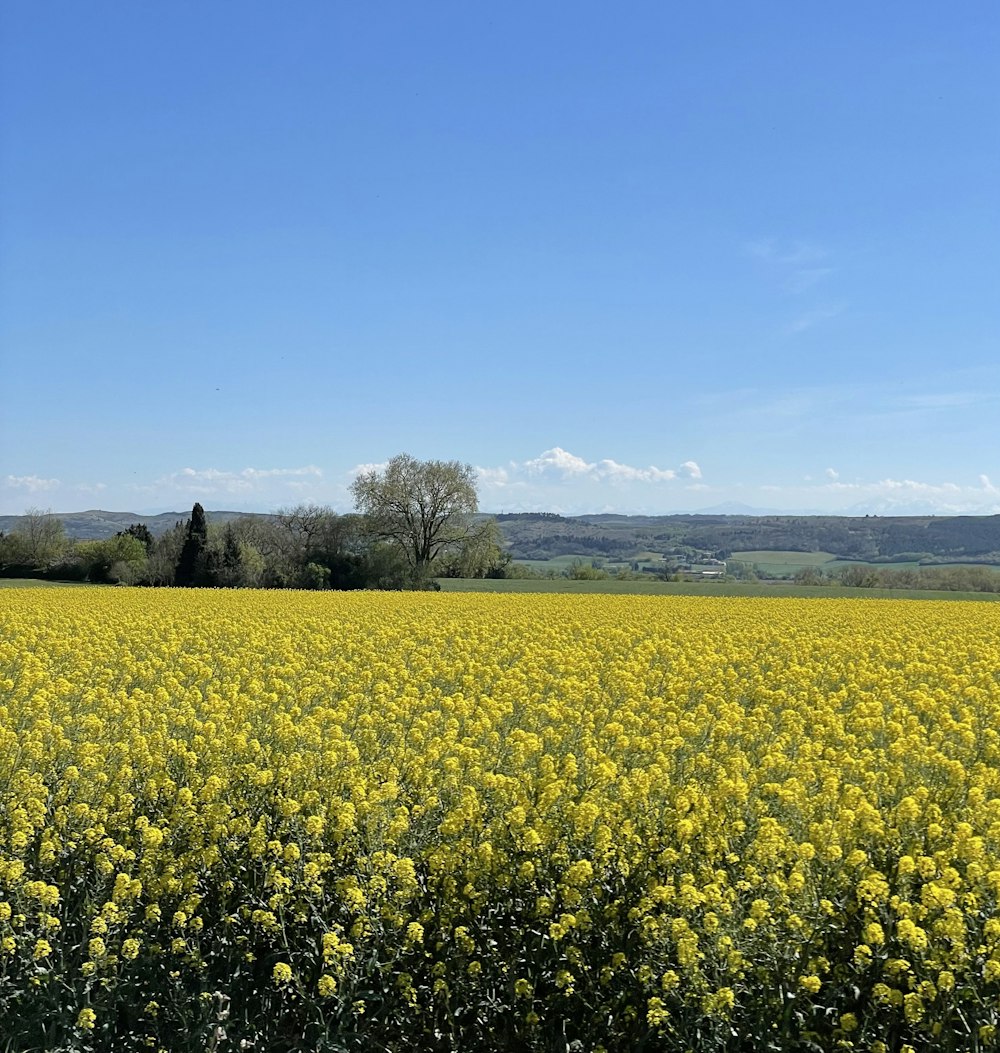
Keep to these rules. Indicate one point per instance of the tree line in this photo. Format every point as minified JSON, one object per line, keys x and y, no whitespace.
{"x":931,"y":578}
{"x":414,"y":521}
{"x":869,"y":538}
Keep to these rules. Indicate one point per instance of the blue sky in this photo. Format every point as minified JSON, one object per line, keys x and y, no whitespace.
{"x":636,"y":258}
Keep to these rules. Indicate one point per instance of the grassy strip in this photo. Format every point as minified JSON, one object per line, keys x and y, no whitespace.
{"x":32,"y":583}
{"x":698,"y":588}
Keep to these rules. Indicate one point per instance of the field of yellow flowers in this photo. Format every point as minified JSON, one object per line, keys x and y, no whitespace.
{"x":277,"y":821}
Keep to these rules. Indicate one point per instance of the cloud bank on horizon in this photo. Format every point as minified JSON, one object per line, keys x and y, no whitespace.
{"x":556,"y":480}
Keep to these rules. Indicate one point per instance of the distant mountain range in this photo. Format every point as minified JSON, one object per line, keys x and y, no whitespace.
{"x":537,"y":535}
{"x":96,"y":524}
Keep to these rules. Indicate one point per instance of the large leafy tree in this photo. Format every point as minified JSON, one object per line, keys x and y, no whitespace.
{"x":423,"y":507}
{"x":141,"y":532}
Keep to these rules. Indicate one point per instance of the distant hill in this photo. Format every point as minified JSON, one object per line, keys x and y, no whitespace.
{"x":534,"y":536}
{"x":96,"y":524}
{"x":545,"y":535}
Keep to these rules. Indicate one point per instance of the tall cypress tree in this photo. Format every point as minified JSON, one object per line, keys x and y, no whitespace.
{"x":192,"y":554}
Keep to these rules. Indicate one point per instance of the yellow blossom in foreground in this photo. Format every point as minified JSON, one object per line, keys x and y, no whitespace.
{"x":659,"y":809}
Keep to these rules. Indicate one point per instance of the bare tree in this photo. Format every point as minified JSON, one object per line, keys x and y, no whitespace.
{"x":41,"y":537}
{"x":304,"y":525}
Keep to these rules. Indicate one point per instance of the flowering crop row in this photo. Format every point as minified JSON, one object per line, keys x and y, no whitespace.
{"x":423,"y":821}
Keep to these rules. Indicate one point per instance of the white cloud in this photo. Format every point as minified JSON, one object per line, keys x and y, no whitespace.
{"x":218,"y":481}
{"x":493,"y":476}
{"x":361,"y":469}
{"x":281,"y":473}
{"x":608,"y":469}
{"x":33,"y":484}
{"x":557,"y":480}
{"x":559,"y":467}
{"x":832,"y":473}
{"x":897,"y":485}
{"x":560,"y":481}
{"x":561,"y":463}
{"x":557,"y":460}
{"x":891,"y":496}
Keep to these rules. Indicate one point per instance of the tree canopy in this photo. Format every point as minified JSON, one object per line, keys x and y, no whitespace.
{"x":418,"y":523}
{"x":424,"y":507}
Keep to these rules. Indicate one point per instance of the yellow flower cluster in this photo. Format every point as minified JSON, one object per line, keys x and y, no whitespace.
{"x":628,"y":813}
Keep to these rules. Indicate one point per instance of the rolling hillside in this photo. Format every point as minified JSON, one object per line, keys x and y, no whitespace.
{"x":97,"y":524}
{"x":541,"y":536}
